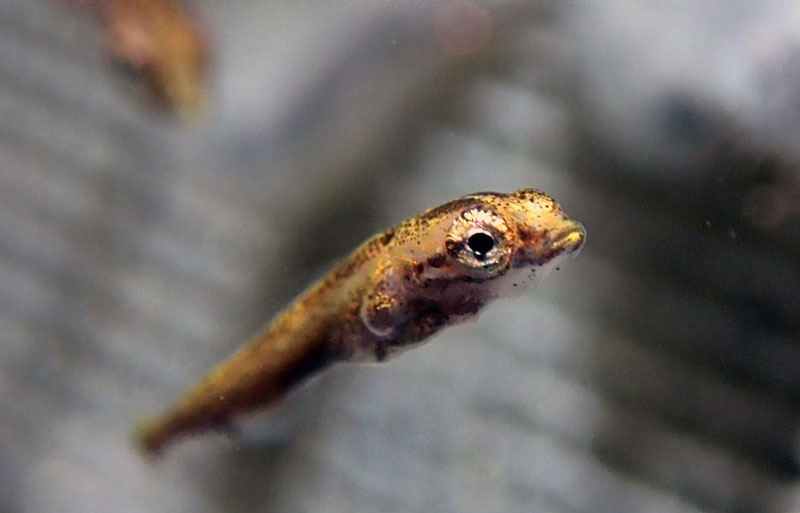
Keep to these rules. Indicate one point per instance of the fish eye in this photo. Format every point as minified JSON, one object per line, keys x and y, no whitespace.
{"x":480,"y":243}
{"x":476,"y":240}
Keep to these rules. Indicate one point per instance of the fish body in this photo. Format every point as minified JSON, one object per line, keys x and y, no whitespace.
{"x":394,"y":291}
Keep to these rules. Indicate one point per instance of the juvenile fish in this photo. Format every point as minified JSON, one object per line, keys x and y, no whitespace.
{"x":394,"y":291}
{"x":163,"y":42}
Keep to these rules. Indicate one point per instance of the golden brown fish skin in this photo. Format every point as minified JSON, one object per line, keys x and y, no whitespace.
{"x":398,"y":288}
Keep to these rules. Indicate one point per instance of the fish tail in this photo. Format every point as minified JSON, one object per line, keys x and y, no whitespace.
{"x":255,"y":376}
{"x":152,"y":435}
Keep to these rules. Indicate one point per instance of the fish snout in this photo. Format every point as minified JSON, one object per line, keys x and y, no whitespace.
{"x":571,"y":238}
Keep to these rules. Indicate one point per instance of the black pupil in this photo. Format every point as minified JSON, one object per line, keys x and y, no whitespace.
{"x":480,"y":244}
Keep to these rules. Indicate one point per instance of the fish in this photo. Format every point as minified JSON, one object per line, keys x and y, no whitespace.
{"x":164,"y":43}
{"x":395,"y":291}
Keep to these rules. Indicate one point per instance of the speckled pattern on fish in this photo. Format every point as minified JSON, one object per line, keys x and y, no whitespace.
{"x":394,"y":291}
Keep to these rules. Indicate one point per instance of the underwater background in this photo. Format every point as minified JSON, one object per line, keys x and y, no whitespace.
{"x":657,"y":372}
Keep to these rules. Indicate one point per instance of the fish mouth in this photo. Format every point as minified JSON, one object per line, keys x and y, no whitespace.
{"x":570,"y":239}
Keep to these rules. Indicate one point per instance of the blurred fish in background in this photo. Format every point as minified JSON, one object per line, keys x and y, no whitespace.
{"x":660,"y":372}
{"x":162,"y":42}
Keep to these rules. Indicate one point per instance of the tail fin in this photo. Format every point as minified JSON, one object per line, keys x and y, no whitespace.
{"x":255,"y":376}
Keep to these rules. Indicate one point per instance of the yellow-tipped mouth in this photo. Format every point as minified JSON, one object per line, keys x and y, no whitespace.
{"x":571,"y":240}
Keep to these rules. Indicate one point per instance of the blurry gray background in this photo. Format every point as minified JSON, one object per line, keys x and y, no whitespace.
{"x":658,"y":372}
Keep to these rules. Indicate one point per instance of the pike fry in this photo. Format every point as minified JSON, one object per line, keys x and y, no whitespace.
{"x":393,"y":292}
